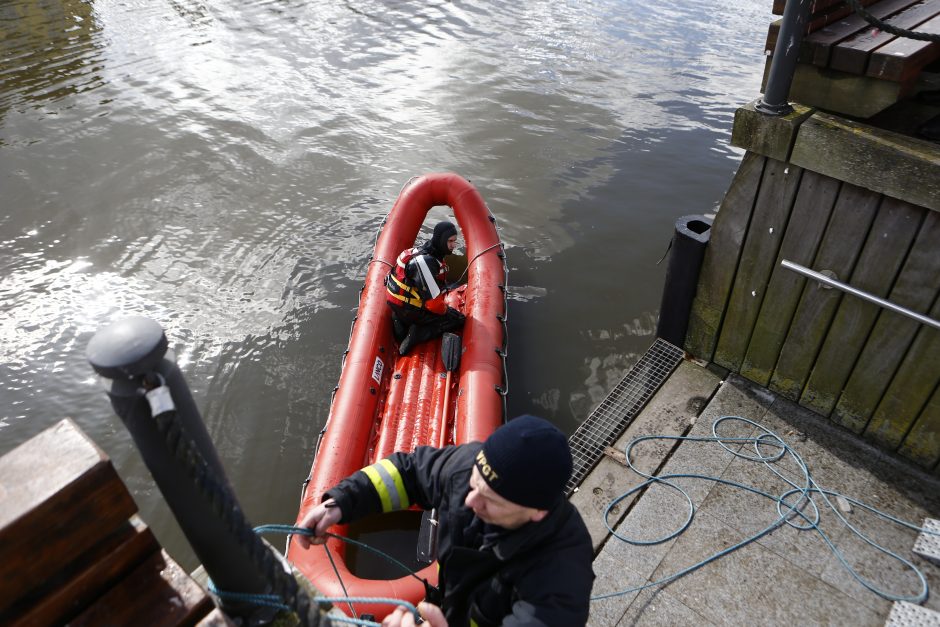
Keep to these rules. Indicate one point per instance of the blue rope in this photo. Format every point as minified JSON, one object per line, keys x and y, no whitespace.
{"x":304,"y":531}
{"x":274,"y":601}
{"x":789,"y":513}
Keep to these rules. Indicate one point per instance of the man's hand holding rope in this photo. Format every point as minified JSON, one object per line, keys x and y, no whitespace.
{"x":402,"y":617}
{"x":319,"y":519}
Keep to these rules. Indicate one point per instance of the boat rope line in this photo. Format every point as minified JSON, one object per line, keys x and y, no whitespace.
{"x":382,"y":261}
{"x":475,"y":257}
{"x":795,"y":506}
{"x":342,"y":584}
{"x":304,"y":531}
{"x":890,"y":28}
{"x":273,"y":600}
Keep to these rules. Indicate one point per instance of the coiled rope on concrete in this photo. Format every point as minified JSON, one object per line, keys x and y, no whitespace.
{"x":795,"y":507}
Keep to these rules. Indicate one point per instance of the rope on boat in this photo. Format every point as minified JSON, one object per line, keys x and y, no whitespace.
{"x":305,"y":531}
{"x":274,"y":601}
{"x":789,"y":511}
{"x":890,"y":28}
{"x":475,"y":257}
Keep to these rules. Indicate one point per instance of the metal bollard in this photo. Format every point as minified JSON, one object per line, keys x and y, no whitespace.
{"x":685,"y":261}
{"x":132,"y":353}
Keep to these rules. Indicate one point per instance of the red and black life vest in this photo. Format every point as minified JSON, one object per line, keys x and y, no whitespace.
{"x":402,"y":289}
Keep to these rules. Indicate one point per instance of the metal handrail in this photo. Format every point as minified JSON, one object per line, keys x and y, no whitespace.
{"x":822,"y":278}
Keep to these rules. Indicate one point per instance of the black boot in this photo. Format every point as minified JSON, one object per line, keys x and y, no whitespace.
{"x":409,"y":341}
{"x":399,"y":329}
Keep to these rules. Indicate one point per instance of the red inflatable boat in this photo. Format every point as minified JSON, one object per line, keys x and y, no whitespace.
{"x":386,"y":403}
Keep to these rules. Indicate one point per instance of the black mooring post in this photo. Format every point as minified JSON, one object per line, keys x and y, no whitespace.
{"x":685,"y":261}
{"x":132,"y":353}
{"x":786,"y":55}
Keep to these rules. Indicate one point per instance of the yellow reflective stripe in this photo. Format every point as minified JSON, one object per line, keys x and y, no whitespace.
{"x":388,"y":485}
{"x":416,"y":301}
{"x":399,"y":484}
{"x":379,"y":486}
{"x":473,"y":623}
{"x":406,"y":288}
{"x":404,"y":299}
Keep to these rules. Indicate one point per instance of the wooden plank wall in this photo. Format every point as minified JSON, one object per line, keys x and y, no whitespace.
{"x":865,"y":368}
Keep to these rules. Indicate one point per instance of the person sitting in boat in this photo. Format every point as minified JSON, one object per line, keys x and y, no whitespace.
{"x":416,"y":289}
{"x":511,"y":549}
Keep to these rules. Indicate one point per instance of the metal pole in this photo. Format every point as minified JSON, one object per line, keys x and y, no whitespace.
{"x":786,"y":54}
{"x":822,"y":278}
{"x":132,"y":353}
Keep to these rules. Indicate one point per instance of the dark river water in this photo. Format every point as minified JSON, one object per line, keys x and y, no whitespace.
{"x":223,"y":167}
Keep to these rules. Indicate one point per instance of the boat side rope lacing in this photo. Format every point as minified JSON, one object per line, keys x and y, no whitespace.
{"x":802,"y":513}
{"x":888,"y":27}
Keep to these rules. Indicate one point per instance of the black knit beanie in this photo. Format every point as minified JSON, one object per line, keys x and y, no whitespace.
{"x":526,"y":461}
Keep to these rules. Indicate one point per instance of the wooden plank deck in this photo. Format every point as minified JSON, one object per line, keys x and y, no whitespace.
{"x":72,"y":549}
{"x":903,"y":418}
{"x":718,"y":268}
{"x":814,"y":205}
{"x":853,"y":54}
{"x":915,"y":288}
{"x":848,"y":66}
{"x":854,"y":210}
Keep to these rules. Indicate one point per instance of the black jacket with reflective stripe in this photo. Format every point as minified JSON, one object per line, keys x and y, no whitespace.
{"x":539,"y":574}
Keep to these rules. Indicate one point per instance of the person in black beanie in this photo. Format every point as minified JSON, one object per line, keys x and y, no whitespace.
{"x":415,"y":290}
{"x":512,"y":550}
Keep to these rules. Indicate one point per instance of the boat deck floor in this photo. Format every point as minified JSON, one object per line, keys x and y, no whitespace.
{"x":785,"y":577}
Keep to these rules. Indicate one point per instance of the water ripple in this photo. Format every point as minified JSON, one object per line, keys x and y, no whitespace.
{"x":223,"y":168}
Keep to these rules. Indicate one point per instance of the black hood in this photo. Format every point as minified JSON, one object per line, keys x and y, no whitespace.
{"x":437,"y":245}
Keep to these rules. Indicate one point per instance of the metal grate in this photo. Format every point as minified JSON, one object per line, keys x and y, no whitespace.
{"x":611,"y":418}
{"x":927,"y":545}
{"x":904,"y":614}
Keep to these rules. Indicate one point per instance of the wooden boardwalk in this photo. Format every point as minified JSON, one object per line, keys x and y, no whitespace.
{"x":72,"y":549}
{"x":849,"y":66}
